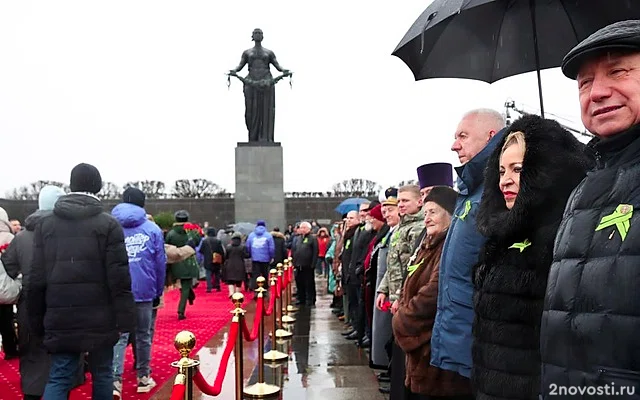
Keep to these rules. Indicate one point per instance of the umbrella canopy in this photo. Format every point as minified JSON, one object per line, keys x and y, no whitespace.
{"x":244,"y":228}
{"x":489,"y":40}
{"x":350,"y":204}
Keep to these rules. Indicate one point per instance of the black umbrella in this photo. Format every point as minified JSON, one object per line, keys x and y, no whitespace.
{"x":489,"y":40}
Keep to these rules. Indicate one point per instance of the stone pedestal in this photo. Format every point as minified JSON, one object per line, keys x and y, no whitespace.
{"x":259,"y":189}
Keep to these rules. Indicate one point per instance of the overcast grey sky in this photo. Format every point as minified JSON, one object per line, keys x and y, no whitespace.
{"x":138,"y":89}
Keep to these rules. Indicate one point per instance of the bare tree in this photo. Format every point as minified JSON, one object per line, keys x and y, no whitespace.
{"x":152,"y":189}
{"x":32,"y":190}
{"x":356,"y":187}
{"x":109,"y":191}
{"x":197,"y":189}
{"x":409,"y":182}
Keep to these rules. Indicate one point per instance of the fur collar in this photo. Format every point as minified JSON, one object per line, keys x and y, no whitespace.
{"x":554,"y":163}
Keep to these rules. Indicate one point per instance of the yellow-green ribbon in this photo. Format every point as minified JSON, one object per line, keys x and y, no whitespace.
{"x":346,"y":246}
{"x":620,"y":218}
{"x":394,"y":238}
{"x":306,"y":240}
{"x":521,"y":245}
{"x":413,"y":268}
{"x":467,"y":208}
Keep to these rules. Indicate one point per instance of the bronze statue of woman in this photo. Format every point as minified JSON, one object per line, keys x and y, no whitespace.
{"x":259,"y":89}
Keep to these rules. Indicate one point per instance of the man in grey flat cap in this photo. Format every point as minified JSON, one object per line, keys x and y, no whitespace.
{"x":590,"y":335}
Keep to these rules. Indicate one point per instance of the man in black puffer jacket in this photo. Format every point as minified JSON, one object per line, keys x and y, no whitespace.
{"x":79,"y":295}
{"x":590,"y":334}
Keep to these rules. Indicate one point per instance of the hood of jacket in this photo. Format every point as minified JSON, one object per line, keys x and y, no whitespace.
{"x":260,"y":230}
{"x":77,"y":206}
{"x":236,"y":241}
{"x":32,"y":220}
{"x":277,"y":235}
{"x":129,"y":215}
{"x":325,"y":230}
{"x":5,"y":226}
{"x":554,"y":163}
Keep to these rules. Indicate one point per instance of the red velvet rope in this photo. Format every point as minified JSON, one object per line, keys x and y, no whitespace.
{"x":253,"y":335}
{"x":279,"y":286}
{"x":199,"y":380}
{"x":272,"y":300}
{"x":178,"y":391}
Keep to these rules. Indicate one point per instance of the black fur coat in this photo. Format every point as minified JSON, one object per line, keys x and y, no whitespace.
{"x":510,"y":281}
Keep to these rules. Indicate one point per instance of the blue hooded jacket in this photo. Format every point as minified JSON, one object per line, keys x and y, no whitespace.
{"x":451,"y":338}
{"x":145,"y":247}
{"x":260,"y":245}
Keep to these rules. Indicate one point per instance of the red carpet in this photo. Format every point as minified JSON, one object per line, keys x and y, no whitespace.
{"x":208,"y":314}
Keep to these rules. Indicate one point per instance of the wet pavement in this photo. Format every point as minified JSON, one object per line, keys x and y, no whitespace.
{"x":322,"y":364}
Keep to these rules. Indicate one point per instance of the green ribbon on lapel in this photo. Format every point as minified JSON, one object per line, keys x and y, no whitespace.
{"x":467,"y":208}
{"x":620,"y":218}
{"x":521,"y":245}
{"x":414,"y":268}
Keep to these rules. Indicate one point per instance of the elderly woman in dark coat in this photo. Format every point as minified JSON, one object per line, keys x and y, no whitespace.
{"x":413,"y":322}
{"x":528,"y":181}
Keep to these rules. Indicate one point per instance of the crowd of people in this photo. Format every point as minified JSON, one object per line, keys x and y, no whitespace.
{"x":520,"y":283}
{"x":516,"y":282}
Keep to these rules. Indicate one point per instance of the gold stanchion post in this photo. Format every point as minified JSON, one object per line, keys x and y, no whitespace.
{"x":261,"y":390}
{"x":274,"y":355}
{"x":281,"y":333}
{"x":184,"y":342}
{"x":290,"y":307}
{"x":287,"y":318}
{"x":238,"y":316}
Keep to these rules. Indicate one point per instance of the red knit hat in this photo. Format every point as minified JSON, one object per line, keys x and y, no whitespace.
{"x":376,"y":212}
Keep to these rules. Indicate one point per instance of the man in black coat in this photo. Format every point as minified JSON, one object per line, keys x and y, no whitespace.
{"x":305,"y":256}
{"x":214,"y":255}
{"x":79,"y":295}
{"x":590,"y":333}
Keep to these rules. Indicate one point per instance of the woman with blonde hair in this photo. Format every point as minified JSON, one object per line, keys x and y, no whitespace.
{"x":527,"y":183}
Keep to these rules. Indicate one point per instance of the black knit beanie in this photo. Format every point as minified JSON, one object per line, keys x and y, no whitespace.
{"x":443,"y":196}
{"x":135,"y":196}
{"x":85,"y":178}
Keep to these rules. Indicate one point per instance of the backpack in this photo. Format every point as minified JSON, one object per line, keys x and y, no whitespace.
{"x":9,"y":288}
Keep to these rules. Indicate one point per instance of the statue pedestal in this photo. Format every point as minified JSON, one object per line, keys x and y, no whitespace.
{"x":259,"y":184}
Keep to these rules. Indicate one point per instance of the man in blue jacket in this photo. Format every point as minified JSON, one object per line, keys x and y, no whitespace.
{"x":476,"y":137}
{"x":262,"y":249}
{"x":147,"y":265}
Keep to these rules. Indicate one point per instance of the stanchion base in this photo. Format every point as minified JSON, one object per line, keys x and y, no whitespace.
{"x":292,"y":309}
{"x":261,"y":391}
{"x":281,"y":333}
{"x":287,"y":319}
{"x":275,"y":356}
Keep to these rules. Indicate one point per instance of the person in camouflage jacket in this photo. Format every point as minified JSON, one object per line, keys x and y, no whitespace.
{"x":402,"y":241}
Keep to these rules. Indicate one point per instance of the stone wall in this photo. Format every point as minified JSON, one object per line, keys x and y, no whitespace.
{"x":219,"y":212}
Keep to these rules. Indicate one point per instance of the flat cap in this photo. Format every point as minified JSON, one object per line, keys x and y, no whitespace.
{"x":622,"y":35}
